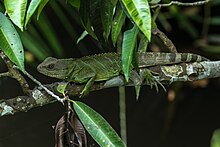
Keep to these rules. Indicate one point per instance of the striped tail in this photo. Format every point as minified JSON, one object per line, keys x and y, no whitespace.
{"x":152,"y":58}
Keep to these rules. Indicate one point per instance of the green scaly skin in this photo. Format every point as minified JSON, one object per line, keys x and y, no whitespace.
{"x":105,"y":66}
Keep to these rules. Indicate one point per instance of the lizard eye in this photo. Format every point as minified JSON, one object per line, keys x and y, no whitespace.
{"x":50,"y":66}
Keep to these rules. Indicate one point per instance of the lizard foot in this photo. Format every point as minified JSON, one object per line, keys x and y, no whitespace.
{"x":83,"y":93}
{"x":87,"y":87}
{"x":152,"y":81}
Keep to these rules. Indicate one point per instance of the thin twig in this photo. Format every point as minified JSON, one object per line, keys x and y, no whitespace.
{"x":5,"y":74}
{"x":206,"y":20}
{"x":43,"y":87}
{"x":181,"y":4}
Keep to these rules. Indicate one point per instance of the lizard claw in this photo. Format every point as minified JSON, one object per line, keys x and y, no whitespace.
{"x":152,"y":81}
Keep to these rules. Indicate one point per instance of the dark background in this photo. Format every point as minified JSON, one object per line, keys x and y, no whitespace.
{"x":152,"y":121}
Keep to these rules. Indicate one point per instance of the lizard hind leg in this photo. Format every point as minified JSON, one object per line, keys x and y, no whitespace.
{"x":151,"y":80}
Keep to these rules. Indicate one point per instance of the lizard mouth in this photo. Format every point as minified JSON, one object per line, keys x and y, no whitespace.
{"x":51,"y":73}
{"x":39,"y":68}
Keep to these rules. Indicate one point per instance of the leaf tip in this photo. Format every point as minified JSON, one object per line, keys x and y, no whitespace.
{"x":126,"y":76}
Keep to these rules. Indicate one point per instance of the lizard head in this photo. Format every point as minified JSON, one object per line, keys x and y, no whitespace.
{"x":52,"y":67}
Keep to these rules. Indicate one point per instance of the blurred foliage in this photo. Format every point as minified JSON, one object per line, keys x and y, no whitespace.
{"x":42,"y":38}
{"x":201,"y":23}
{"x":215,"y":141}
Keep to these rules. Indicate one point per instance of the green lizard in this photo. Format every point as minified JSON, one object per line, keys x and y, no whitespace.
{"x":101,"y":67}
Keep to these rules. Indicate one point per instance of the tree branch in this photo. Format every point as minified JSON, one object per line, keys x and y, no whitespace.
{"x":181,"y":4}
{"x":14,"y":73}
{"x":164,"y":74}
{"x":166,"y":41}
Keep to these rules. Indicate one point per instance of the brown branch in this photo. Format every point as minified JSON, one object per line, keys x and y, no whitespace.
{"x":166,"y":41}
{"x":14,"y":73}
{"x":181,"y":4}
{"x":165,"y":74}
{"x":37,"y":97}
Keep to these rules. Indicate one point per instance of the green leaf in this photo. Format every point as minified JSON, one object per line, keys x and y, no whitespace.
{"x":41,"y":6}
{"x":10,"y":42}
{"x":134,"y":61}
{"x":136,"y":74}
{"x":118,"y":21}
{"x":135,"y":66}
{"x":139,"y":11}
{"x":84,"y":14}
{"x":82,"y":36}
{"x":16,"y":10}
{"x":143,"y":43}
{"x":106,"y":16}
{"x":95,"y":11}
{"x":128,"y":46}
{"x":74,"y":3}
{"x":90,"y":31}
{"x":31,"y":9}
{"x":61,"y":87}
{"x":97,"y":126}
{"x":215,"y":141}
{"x":95,"y":16}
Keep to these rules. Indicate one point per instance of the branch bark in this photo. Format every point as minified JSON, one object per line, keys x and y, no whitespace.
{"x":181,"y":4}
{"x":14,"y":73}
{"x":165,"y":74}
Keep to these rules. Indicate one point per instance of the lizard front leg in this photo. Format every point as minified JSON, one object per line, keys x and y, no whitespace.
{"x":87,"y":87}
